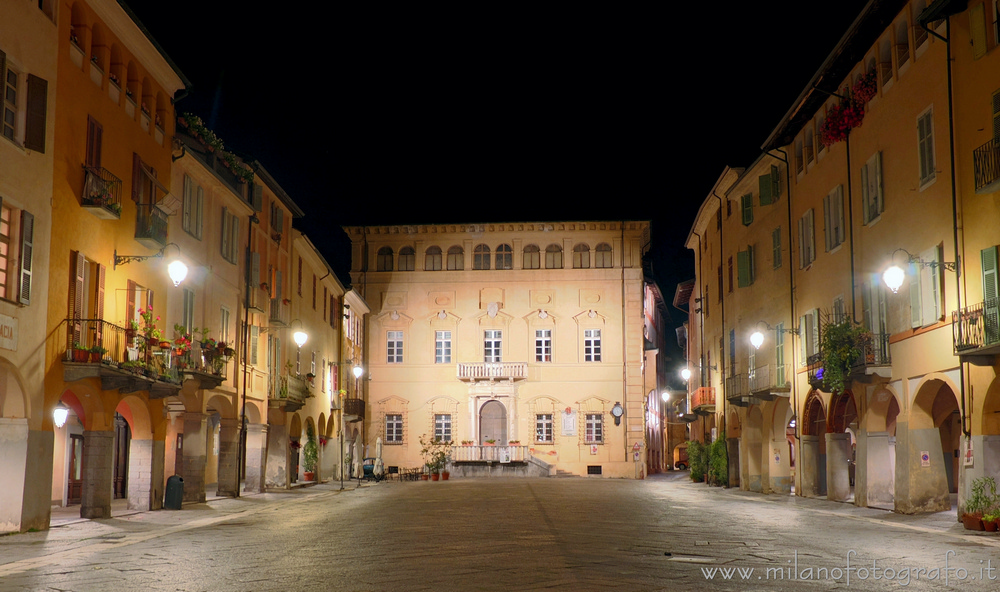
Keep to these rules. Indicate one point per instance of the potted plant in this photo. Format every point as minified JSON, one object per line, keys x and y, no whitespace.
{"x":978,"y":502}
{"x":514,"y":442}
{"x":435,"y":454}
{"x":490,"y":443}
{"x":990,"y":520}
{"x":840,"y":346}
{"x":697,"y":460}
{"x":310,"y":454}
{"x":96,"y":353}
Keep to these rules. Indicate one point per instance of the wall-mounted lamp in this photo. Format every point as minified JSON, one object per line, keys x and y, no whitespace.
{"x":358,"y":371}
{"x":60,"y":414}
{"x":757,"y":338}
{"x":299,"y":336}
{"x":666,"y":396}
{"x":176,"y":268}
{"x":686,"y":374}
{"x":894,"y":275}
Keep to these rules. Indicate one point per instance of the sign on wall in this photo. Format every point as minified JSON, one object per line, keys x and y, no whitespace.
{"x":569,"y":423}
{"x":968,"y":456}
{"x":8,"y":332}
{"x":925,"y":458}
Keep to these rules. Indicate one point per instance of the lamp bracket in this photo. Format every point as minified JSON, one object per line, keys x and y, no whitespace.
{"x":916,"y":260}
{"x":794,"y":331}
{"x":125,"y":259}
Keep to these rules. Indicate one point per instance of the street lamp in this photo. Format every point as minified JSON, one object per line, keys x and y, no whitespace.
{"x":666,"y":396}
{"x":894,"y":275}
{"x":757,"y":337}
{"x":299,"y":336}
{"x":60,"y":414}
{"x":176,"y":269}
{"x":686,"y":374}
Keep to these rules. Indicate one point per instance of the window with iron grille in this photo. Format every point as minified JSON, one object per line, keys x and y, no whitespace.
{"x":442,"y":427}
{"x":394,"y":347}
{"x":543,"y":427}
{"x":594,"y":432}
{"x":592,"y":345}
{"x":393,"y":429}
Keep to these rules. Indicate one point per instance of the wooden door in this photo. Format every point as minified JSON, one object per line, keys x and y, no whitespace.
{"x":74,"y":479}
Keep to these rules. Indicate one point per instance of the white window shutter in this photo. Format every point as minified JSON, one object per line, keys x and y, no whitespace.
{"x":865,"y":195}
{"x":915,"y":306}
{"x":878,"y":204}
{"x":930,"y":287}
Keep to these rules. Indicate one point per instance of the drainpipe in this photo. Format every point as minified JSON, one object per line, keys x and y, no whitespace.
{"x":722,"y":362}
{"x":624,"y":346}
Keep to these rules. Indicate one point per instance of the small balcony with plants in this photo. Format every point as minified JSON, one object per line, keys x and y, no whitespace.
{"x":280,"y":313}
{"x":102,"y":193}
{"x":986,"y":161}
{"x":976,"y":332}
{"x":150,"y":226}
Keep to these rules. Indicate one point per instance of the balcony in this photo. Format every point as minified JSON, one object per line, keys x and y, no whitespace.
{"x":354,"y":410}
{"x":738,"y":391}
{"x":769,"y":382}
{"x":288,"y":393}
{"x":488,"y":454}
{"x":102,"y":193}
{"x":150,"y":226}
{"x":129,"y":361}
{"x":986,"y":160}
{"x":975,"y":332}
{"x":874,"y":359}
{"x":703,"y":400}
{"x":279,"y":314}
{"x":493,"y":371}
{"x":257,"y":299}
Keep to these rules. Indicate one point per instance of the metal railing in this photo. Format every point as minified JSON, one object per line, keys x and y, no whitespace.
{"x":986,"y":161}
{"x":737,"y":386}
{"x":768,"y":377}
{"x":487,"y":453}
{"x":703,"y":396}
{"x":493,"y":370}
{"x":279,"y":312}
{"x":102,"y":189}
{"x":355,"y":407}
{"x":124,"y":349}
{"x":150,"y":225}
{"x":976,"y":326}
{"x":874,"y":351}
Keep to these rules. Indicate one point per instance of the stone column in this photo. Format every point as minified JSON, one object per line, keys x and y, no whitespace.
{"x":229,"y":457}
{"x":920,"y":488}
{"x":25,"y":498}
{"x":195,"y":451}
{"x":98,"y":457}
{"x":780,"y":471}
{"x":875,"y":470}
{"x":140,"y":476}
{"x":255,"y":455}
{"x":277,"y":457}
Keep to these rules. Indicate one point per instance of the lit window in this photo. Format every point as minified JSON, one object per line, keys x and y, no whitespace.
{"x":15,"y":259}
{"x":594,"y":428}
{"x":492,"y":346}
{"x":394,"y":347}
{"x":393,"y":429}
{"x":505,"y":257}
{"x":592,"y":345}
{"x":543,"y":427}
{"x":543,"y":345}
{"x":442,"y":347}
{"x":481,"y":257}
{"x":442,"y":427}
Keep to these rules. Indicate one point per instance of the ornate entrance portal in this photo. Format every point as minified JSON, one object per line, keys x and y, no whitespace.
{"x":493,"y":422}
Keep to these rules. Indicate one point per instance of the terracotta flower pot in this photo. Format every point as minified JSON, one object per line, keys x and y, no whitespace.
{"x":434,"y":476}
{"x":972,"y":521}
{"x":309,"y":475}
{"x":81,"y":355}
{"x":990,"y":526}
{"x":446,"y":474}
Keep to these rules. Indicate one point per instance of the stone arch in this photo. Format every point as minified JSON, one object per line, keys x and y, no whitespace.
{"x":813,"y":447}
{"x":99,"y":47}
{"x":843,"y":413}
{"x":14,"y":399}
{"x":733,"y":429}
{"x":295,"y":427}
{"x":781,"y":450}
{"x":934,"y":426}
{"x":878,"y":457}
{"x":222,"y":404}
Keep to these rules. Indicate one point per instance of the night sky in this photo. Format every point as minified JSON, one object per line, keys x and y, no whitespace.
{"x":482,"y":113}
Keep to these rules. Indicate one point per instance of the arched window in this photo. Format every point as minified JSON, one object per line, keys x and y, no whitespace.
{"x":456,"y":258}
{"x":602,"y":259}
{"x":481,"y":257}
{"x":505,"y":257}
{"x":384,"y":259}
{"x":407,"y":258}
{"x":553,"y":257}
{"x":581,"y":256}
{"x":432,"y":259}
{"x":532,"y":258}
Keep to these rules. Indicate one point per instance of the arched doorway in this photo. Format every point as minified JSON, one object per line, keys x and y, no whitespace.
{"x":733,"y":434}
{"x":493,"y":422}
{"x":813,"y":443}
{"x":754,"y":445}
{"x":840,"y":446}
{"x":933,"y":438}
{"x":879,"y":458}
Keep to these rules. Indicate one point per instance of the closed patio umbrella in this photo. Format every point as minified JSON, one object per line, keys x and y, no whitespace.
{"x":379,"y":467}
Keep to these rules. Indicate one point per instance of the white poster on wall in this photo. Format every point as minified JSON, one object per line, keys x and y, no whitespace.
{"x":569,"y":423}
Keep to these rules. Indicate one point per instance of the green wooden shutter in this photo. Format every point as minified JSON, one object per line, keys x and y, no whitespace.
{"x":776,"y":247}
{"x":37,"y":107}
{"x":743,"y":268}
{"x":803,"y":338}
{"x":764,"y":185}
{"x":991,"y":307}
{"x":779,"y":354}
{"x":775,"y":183}
{"x":747,"y":204}
{"x":915,"y":306}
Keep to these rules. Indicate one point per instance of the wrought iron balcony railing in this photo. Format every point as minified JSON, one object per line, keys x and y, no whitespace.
{"x":986,"y":161}
{"x":354,"y":409}
{"x":102,"y":193}
{"x":703,"y":398}
{"x":151,"y":226}
{"x":977,"y":327}
{"x":769,"y":381}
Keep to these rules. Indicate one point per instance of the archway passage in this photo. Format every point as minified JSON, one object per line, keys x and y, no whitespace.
{"x":879,"y":464}
{"x":813,"y":444}
{"x":779,"y":457}
{"x":493,"y":422}
{"x":840,"y":447}
{"x":932,"y":453}
{"x":733,"y":434}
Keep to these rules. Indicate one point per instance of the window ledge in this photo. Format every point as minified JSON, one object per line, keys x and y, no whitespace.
{"x":927,"y":183}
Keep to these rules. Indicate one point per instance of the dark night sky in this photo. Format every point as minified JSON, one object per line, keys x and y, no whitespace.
{"x":480,"y":113}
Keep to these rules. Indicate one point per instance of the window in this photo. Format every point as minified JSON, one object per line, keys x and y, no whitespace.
{"x":384,"y":259}
{"x":224,"y":316}
{"x":230,"y":236}
{"x":553,"y":257}
{"x":807,"y":244}
{"x":902,"y":44}
{"x":312,"y":364}
{"x":872,"y":203}
{"x":543,"y":427}
{"x":194,"y":200}
{"x":769,"y":186}
{"x":779,"y":354}
{"x":799,"y":163}
{"x":543,"y":345}
{"x":730,"y":275}
{"x":732,"y":352}
{"x":10,"y":101}
{"x":432,"y":259}
{"x":808,"y":146}
{"x":776,"y":247}
{"x":746,"y":205}
{"x":298,"y":278}
{"x":188,"y":315}
{"x":745,"y":265}
{"x":442,"y":427}
{"x":394,"y":347}
{"x":393,"y":429}
{"x":720,"y":288}
{"x":532,"y":257}
{"x":314,"y":292}
{"x":594,"y":433}
{"x":581,"y":257}
{"x":95,"y":133}
{"x":481,"y":257}
{"x":456,"y":259}
{"x":442,"y":347}
{"x":492,"y":346}
{"x":505,"y":257}
{"x":925,"y":146}
{"x":603,"y":259}
{"x":254,"y":343}
{"x":16,"y":242}
{"x":592,"y":345}
{"x":925,"y":289}
{"x":407,"y":259}
{"x":833,"y":210}
{"x":809,"y":332}
{"x":837,"y":315}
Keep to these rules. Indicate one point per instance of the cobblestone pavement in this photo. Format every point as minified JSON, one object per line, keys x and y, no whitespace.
{"x":572,"y":534}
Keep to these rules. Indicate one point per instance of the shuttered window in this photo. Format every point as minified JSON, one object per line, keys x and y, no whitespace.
{"x":991,"y":305}
{"x":746,"y":205}
{"x":776,"y":247}
{"x":872,"y":204}
{"x":833,"y":209}
{"x":769,"y":187}
{"x":977,"y":27}
{"x":925,"y":146}
{"x":807,"y":244}
{"x":191,"y":212}
{"x":745,"y":267}
{"x":230,"y":236}
{"x":37,"y":109}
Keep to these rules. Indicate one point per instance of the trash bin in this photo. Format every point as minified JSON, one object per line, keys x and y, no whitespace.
{"x":174,"y":495}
